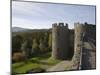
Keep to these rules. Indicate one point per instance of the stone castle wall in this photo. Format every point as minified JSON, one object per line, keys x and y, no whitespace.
{"x":78,"y":42}
{"x":60,"y":41}
{"x":83,"y":57}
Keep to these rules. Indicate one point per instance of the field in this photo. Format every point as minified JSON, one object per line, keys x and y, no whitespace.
{"x":35,"y":64}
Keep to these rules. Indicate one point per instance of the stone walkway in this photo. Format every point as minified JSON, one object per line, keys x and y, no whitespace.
{"x":62,"y":66}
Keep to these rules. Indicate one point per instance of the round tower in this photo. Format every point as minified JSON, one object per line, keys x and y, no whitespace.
{"x":60,"y":41}
{"x":78,"y":42}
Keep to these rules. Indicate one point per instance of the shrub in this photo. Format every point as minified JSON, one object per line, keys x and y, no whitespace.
{"x":18,"y":56}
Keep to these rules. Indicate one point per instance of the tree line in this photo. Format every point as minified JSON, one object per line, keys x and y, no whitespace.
{"x":32,"y":44}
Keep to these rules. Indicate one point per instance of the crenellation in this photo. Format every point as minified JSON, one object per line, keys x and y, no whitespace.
{"x":61,"y":24}
{"x":66,"y":45}
{"x":60,"y":41}
{"x":54,"y":25}
{"x":66,"y":25}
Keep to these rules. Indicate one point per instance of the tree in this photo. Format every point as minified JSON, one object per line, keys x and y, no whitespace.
{"x":23,"y":48}
{"x":42,"y":45}
{"x":35,"y":46}
{"x":45,"y":39}
{"x":26,"y":48}
{"x":16,"y":43}
{"x":50,"y":40}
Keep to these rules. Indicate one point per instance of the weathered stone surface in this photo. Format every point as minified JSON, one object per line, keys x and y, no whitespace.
{"x":60,"y":42}
{"x":78,"y":43}
{"x":83,"y":58}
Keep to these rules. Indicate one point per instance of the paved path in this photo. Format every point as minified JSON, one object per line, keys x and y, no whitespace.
{"x":62,"y":66}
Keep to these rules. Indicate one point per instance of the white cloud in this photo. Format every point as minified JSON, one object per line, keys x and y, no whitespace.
{"x":29,"y":24}
{"x":32,"y":14}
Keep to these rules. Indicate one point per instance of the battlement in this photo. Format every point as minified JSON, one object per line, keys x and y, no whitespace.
{"x":61,"y":24}
{"x":54,"y":25}
{"x":60,"y":39}
{"x":78,"y":24}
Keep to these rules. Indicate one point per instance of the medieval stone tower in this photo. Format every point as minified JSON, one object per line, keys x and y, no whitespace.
{"x":78,"y":36}
{"x":78,"y":42}
{"x":60,"y":41}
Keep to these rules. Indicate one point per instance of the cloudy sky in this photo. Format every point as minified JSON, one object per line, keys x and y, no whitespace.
{"x":41,"y":15}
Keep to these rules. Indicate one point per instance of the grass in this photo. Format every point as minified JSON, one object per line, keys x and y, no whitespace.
{"x":33,"y":63}
{"x":39,"y":62}
{"x":53,"y":61}
{"x":17,"y":64}
{"x":26,"y":68}
{"x":23,"y":67}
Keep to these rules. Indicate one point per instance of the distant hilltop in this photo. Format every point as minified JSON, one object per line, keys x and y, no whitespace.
{"x":19,"y":29}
